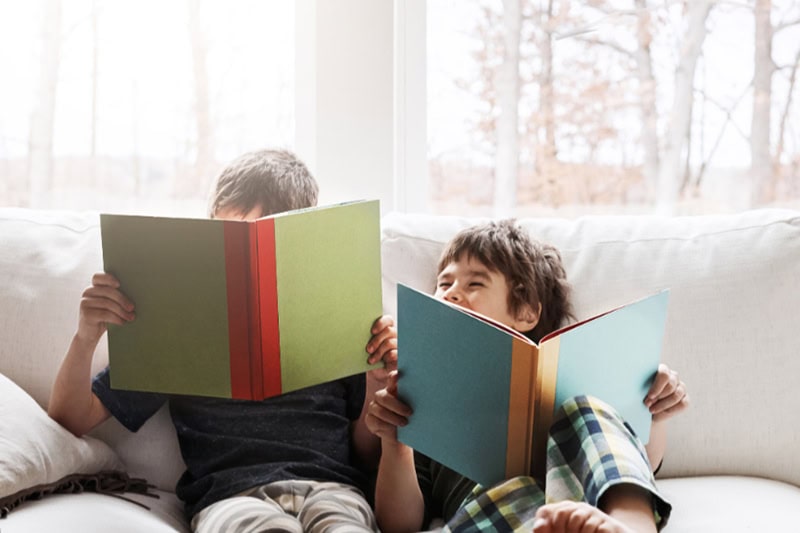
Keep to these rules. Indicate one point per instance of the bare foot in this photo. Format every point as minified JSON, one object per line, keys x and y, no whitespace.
{"x":576,"y":517}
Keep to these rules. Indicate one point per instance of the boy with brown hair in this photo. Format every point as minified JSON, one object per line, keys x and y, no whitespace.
{"x":597,"y":471}
{"x":288,"y":463}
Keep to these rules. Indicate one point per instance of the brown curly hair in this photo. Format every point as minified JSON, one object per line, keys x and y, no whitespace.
{"x":274,"y":180}
{"x":533,"y":270}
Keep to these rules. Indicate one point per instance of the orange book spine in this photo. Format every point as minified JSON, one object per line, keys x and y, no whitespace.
{"x":520,"y":409}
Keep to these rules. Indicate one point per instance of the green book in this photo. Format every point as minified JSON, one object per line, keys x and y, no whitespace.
{"x":246,"y":310}
{"x":484,"y":396}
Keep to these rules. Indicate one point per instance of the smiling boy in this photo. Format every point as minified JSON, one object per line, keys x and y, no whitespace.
{"x":495,"y":269}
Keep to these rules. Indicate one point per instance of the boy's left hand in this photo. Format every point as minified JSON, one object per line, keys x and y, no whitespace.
{"x":667,"y":395}
{"x":382,"y":346}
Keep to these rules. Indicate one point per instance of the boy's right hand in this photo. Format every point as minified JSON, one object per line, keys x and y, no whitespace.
{"x":386,"y":412}
{"x":102,"y":303}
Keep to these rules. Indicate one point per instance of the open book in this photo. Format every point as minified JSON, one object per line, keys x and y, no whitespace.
{"x":484,"y":395}
{"x":244,"y":310}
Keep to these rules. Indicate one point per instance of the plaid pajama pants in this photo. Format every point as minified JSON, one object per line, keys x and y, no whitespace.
{"x":589,"y":449}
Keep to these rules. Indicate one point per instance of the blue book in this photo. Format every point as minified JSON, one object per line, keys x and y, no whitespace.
{"x":484,"y":395}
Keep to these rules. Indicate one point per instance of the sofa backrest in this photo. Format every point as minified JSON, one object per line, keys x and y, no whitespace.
{"x":732,"y":328}
{"x":47,"y":259}
{"x":731,"y":331}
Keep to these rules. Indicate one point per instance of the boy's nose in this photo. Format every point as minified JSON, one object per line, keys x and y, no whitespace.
{"x":452,"y":294}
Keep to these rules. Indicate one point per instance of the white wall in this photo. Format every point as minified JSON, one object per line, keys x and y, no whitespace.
{"x":344,"y":105}
{"x":411,"y":146}
{"x":360,"y":99}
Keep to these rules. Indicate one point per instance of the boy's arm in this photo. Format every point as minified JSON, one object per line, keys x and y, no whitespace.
{"x":72,"y":403}
{"x":657,"y":446}
{"x":367,"y":447}
{"x":666,"y":398}
{"x":399,"y":504}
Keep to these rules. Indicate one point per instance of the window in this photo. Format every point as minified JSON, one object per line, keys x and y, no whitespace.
{"x":557,"y":108}
{"x":134,"y":106}
{"x":564,"y":108}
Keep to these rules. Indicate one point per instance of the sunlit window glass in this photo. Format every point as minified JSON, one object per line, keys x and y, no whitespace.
{"x":134,"y":106}
{"x":556,"y":107}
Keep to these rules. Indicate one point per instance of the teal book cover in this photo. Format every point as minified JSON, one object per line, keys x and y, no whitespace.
{"x":484,"y":396}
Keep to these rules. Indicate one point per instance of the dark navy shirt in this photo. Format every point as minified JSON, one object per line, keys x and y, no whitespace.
{"x":443,"y":490}
{"x":232,"y":445}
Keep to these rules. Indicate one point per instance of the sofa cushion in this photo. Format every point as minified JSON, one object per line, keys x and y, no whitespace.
{"x":36,"y":450}
{"x":721,"y":504}
{"x":732,"y":320}
{"x":99,"y":513}
{"x":47,"y":259}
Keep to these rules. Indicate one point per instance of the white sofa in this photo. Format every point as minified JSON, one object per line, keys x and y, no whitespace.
{"x":732,"y":333}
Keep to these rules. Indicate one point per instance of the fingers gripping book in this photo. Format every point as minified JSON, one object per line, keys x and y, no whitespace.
{"x":484,"y":396}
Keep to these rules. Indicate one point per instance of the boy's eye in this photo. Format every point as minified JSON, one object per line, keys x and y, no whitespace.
{"x":444,"y":284}
{"x":476,"y":284}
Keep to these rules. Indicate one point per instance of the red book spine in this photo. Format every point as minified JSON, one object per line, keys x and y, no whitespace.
{"x":268,"y":297}
{"x":254,"y":323}
{"x":237,"y":280}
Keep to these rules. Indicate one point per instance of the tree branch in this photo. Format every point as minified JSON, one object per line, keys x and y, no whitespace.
{"x":785,"y":114}
{"x":729,"y":114}
{"x":597,"y":42}
{"x":784,"y":25}
{"x":728,"y":120}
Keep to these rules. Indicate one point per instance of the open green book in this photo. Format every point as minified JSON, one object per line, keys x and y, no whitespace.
{"x":484,"y":395}
{"x":244,"y":310}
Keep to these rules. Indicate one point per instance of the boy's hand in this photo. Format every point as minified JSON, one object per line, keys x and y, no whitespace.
{"x":382,"y":346}
{"x":102,"y":303}
{"x":667,"y":396}
{"x":386,"y":411}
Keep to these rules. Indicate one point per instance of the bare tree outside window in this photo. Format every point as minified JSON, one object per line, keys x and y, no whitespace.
{"x":42,"y":122}
{"x":534,"y":106}
{"x":134,"y":106}
{"x":622,"y":106}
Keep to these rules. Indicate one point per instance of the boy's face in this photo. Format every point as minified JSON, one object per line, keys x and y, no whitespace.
{"x":470,"y":284}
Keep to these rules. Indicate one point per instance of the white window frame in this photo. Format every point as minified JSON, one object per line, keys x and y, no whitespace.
{"x":411,"y":97}
{"x":360,"y":100}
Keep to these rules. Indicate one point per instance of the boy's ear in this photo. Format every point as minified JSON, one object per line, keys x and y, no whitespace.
{"x":527,"y":318}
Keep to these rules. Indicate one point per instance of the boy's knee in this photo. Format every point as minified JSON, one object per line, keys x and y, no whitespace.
{"x":585,"y":405}
{"x":582,"y":411}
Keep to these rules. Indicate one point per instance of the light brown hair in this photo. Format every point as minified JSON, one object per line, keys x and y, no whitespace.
{"x":533,"y":270}
{"x":275,"y":180}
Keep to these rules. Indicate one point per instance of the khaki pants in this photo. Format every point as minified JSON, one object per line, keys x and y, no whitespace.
{"x":289,"y":506}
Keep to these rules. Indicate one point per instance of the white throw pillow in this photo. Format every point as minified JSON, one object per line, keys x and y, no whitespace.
{"x":36,"y":450}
